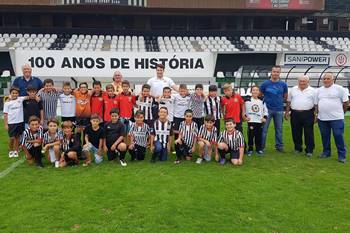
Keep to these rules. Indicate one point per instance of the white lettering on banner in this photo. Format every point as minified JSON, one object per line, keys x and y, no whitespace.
{"x":306,"y":59}
{"x":103,"y":64}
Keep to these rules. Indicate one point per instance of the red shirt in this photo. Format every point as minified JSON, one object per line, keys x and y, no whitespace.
{"x":231,"y":107}
{"x":109,"y":103}
{"x":126,"y":104}
{"x":97,"y":105}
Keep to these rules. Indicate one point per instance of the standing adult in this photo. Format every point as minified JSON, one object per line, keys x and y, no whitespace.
{"x":300,"y":104}
{"x":22,"y":82}
{"x":160,"y":81}
{"x":332,"y":101}
{"x":117,"y":82}
{"x":275,"y":92}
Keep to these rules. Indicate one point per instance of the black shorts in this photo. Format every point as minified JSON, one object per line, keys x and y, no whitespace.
{"x":15,"y":130}
{"x":234,"y":154}
{"x":69,"y":161}
{"x":177,"y":122}
{"x":83,"y":121}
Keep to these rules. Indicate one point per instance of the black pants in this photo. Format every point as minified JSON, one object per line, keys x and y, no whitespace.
{"x":138,"y":153}
{"x":303,"y":121}
{"x":240,"y":129}
{"x":217,"y":125}
{"x":254,"y":136}
{"x":182,"y":151}
{"x":35,"y":152}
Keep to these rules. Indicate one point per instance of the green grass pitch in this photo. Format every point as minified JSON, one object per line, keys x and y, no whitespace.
{"x":275,"y":193}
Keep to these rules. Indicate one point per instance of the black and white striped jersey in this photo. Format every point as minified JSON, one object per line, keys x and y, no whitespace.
{"x":212,"y":106}
{"x":146,"y":104}
{"x":49,"y":100}
{"x":210,"y":136}
{"x":189,"y":132}
{"x":29,"y":135}
{"x":234,"y":140}
{"x":140,"y":133}
{"x":162,"y":132}
{"x":47,"y":138}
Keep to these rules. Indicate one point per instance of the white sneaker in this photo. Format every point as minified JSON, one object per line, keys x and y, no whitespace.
{"x":199,"y":160}
{"x":123,"y":162}
{"x":10,"y":154}
{"x":15,"y":154}
{"x":57,"y":163}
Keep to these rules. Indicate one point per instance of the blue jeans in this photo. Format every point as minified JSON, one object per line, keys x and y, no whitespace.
{"x":278,"y":122}
{"x":337,"y":127}
{"x":159,"y":151}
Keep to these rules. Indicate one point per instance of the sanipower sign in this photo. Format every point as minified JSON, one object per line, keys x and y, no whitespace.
{"x":306,"y":59}
{"x":103,"y":64}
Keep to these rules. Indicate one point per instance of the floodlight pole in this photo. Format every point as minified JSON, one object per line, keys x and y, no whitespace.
{"x":319,"y":79}
{"x":336,"y":77}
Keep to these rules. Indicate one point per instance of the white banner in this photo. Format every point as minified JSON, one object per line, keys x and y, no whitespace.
{"x":306,"y":59}
{"x":49,"y":63}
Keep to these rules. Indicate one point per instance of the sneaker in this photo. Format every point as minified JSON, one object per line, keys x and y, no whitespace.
{"x":10,"y":154}
{"x":57,"y":164}
{"x":40,"y":165}
{"x":281,"y":150}
{"x":177,"y":161}
{"x":249,"y":153}
{"x":322,"y":156}
{"x":123,"y":162}
{"x":222,"y":161}
{"x":260,"y":152}
{"x":199,"y":160}
{"x":309,"y":154}
{"x":15,"y":154}
{"x":342,"y":160}
{"x":207,"y":158}
{"x":297,"y":151}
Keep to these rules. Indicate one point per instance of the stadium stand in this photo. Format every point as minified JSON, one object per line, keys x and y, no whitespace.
{"x":121,"y":43}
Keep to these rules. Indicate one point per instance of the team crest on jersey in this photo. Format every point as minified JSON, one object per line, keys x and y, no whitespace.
{"x":255,"y":108}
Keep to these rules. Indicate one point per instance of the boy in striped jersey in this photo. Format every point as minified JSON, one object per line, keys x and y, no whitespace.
{"x":70,"y":146}
{"x":139,"y":135}
{"x":161,"y":139}
{"x":167,"y":100}
{"x":185,"y":143}
{"x":146,"y":103}
{"x":115,"y":134}
{"x":231,"y":142}
{"x":197,"y":100}
{"x":52,"y":142}
{"x":31,"y":141}
{"x":49,"y":96}
{"x":207,"y":139}
{"x":212,"y":106}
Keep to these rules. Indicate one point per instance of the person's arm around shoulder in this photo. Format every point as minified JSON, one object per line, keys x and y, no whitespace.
{"x":285,"y":91}
{"x":345,"y":98}
{"x":288,"y":103}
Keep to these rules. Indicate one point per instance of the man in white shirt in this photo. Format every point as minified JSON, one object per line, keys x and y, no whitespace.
{"x":158,"y":82}
{"x":300,"y":103}
{"x":332,"y":101}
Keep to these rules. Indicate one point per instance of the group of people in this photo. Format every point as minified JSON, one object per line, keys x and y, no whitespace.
{"x":165,"y":117}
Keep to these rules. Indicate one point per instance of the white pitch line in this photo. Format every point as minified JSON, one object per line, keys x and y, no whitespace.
{"x":11,"y":168}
